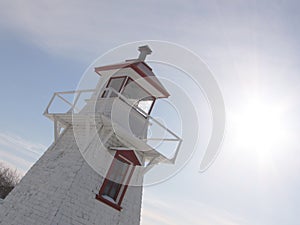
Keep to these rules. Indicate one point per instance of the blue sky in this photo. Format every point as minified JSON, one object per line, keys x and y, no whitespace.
{"x":252,"y":47}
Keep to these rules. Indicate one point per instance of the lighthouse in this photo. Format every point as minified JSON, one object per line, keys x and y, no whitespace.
{"x":104,"y":143}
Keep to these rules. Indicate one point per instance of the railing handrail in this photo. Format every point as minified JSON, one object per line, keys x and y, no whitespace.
{"x":110,"y":89}
{"x":126,"y":101}
{"x":58,"y":94}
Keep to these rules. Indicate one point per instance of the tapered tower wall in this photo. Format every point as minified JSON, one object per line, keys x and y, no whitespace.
{"x":61,"y":188}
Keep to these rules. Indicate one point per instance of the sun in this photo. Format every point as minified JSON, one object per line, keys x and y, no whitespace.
{"x":257,"y":125}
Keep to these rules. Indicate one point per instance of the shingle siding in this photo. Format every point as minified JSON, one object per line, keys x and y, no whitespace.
{"x":60,"y":189}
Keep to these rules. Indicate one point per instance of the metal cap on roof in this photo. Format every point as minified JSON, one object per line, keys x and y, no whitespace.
{"x":144,"y":51}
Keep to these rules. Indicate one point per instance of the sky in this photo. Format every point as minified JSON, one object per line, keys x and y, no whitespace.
{"x":252,"y":48}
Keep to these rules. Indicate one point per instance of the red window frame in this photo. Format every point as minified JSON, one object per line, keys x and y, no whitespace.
{"x":121,"y":156}
{"x":128,"y":80}
{"x":122,"y":85}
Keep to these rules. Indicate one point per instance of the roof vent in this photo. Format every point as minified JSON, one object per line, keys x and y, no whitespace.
{"x":144,"y":51}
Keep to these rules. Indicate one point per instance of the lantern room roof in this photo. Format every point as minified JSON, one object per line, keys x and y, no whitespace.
{"x":141,"y":68}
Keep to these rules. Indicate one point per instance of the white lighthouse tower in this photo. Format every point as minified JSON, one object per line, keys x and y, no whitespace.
{"x":93,"y":172}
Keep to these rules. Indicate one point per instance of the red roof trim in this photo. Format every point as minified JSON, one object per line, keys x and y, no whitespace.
{"x":154,"y":83}
{"x":112,"y":67}
{"x":134,"y":66}
{"x":145,"y":65}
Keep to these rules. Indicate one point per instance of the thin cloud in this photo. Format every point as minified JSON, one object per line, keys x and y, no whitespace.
{"x":17,"y":151}
{"x":16,"y":142}
{"x":15,"y":161}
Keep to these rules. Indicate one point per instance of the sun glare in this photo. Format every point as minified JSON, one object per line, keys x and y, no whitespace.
{"x":258,"y":125}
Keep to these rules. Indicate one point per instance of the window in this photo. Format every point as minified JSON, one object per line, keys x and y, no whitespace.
{"x":146,"y":104}
{"x":119,"y":174}
{"x":116,"y":83}
{"x":142,"y":98}
{"x":131,"y":90}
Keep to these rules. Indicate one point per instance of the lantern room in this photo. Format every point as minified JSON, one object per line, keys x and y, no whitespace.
{"x":135,"y":80}
{"x":122,"y":102}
